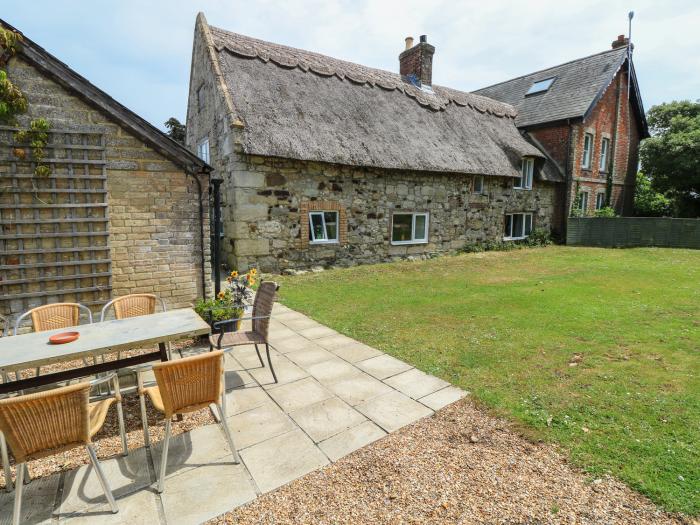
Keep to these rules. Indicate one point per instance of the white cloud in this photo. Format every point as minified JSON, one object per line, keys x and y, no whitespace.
{"x":140,"y":52}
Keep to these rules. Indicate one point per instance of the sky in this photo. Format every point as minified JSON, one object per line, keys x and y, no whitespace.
{"x":139,"y":52}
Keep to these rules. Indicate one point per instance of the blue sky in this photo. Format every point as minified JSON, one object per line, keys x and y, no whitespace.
{"x":139,"y":51}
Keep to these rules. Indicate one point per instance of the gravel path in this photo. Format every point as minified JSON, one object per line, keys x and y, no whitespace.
{"x":460,"y":466}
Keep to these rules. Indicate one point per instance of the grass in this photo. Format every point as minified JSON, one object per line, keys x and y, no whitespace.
{"x":598,"y":350}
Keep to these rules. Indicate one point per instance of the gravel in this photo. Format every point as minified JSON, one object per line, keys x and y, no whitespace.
{"x":460,"y":466}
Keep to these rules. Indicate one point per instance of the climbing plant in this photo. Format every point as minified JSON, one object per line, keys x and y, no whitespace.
{"x":36,"y":137}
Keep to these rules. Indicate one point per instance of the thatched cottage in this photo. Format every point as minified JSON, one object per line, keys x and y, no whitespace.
{"x":118,"y":207}
{"x":327,"y":162}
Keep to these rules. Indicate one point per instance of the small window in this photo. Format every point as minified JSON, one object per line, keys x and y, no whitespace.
{"x":604,"y":149}
{"x":527,"y":168}
{"x":409,"y":228}
{"x":323,"y":226}
{"x":583,"y":201}
{"x":518,"y":226}
{"x":540,"y":86}
{"x":200,"y":98}
{"x":600,"y":200}
{"x":203,"y":150}
{"x":587,"y":151}
{"x":478,"y":186}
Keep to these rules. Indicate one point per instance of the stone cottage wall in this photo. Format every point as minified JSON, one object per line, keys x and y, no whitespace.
{"x":268,"y":200}
{"x":153,"y":205}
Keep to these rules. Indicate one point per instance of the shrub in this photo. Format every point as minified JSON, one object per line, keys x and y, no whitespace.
{"x":538,"y":237}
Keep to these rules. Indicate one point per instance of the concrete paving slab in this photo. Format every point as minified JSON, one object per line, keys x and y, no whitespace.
{"x":383,"y":366}
{"x":317,"y":332}
{"x":258,"y":424}
{"x":237,"y":379}
{"x":331,"y":342}
{"x":327,"y":418}
{"x":192,"y":449}
{"x":444,"y":397}
{"x":37,"y":501}
{"x":356,"y":389}
{"x":355,"y":352}
{"x":282,"y":459}
{"x":280,"y":333}
{"x":139,"y":508}
{"x":333,"y":370}
{"x":203,"y":493}
{"x":350,"y":440}
{"x":299,"y":394}
{"x":286,"y":372}
{"x":247,"y":398}
{"x":300,"y":323}
{"x":416,"y":384}
{"x":292,"y":344}
{"x":81,"y":487}
{"x":310,"y":356}
{"x":393,"y":410}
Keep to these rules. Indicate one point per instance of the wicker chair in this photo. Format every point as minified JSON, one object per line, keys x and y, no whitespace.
{"x":262,"y":311}
{"x":185,"y":385}
{"x":43,"y":424}
{"x":134,"y":305}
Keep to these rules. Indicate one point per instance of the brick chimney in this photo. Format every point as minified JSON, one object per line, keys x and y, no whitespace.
{"x":621,"y":41}
{"x":416,"y":62}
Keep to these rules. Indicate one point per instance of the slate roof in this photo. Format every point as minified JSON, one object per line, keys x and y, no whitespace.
{"x":303,"y":105}
{"x":83,"y":88}
{"x":577,"y":87}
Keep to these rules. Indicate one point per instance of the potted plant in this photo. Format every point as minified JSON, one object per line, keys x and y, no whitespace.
{"x":229,"y":303}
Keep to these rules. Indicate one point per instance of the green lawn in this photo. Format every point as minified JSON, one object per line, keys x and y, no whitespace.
{"x":596,"y":349}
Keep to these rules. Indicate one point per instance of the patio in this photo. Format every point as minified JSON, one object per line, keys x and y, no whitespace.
{"x":335,"y":395}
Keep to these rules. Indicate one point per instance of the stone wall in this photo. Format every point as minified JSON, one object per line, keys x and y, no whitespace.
{"x":268,"y":200}
{"x":153,"y":205}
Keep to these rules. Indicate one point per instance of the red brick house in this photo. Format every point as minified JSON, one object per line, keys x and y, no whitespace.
{"x":583,"y":116}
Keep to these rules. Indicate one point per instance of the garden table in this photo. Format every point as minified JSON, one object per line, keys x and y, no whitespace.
{"x":33,"y":349}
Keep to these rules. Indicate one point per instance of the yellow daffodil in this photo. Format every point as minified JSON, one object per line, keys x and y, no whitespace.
{"x":253,"y":272}
{"x":222,"y":295}
{"x":251,"y":281}
{"x":234,"y":274}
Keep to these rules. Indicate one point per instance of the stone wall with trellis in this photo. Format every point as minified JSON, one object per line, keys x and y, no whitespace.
{"x":113,"y":217}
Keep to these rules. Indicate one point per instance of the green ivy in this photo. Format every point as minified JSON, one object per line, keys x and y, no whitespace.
{"x":36,"y":137}
{"x":12,"y":100}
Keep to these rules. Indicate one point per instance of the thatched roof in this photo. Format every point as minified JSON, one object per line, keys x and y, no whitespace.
{"x":303,"y":105}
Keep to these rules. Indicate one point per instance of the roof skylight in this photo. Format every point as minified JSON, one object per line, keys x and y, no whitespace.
{"x":540,"y":86}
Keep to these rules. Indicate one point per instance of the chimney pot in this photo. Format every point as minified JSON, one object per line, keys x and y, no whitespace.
{"x":409,"y":42}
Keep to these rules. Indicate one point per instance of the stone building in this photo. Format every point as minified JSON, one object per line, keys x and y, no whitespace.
{"x":124,"y":208}
{"x":327,"y":162}
{"x":584,"y":116}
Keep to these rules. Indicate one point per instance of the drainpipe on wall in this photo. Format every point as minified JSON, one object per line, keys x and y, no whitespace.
{"x":216,"y":248}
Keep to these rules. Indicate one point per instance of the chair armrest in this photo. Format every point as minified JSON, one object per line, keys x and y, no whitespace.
{"x":229,"y":321}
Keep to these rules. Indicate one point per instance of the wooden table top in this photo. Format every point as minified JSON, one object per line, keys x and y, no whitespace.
{"x":33,"y":349}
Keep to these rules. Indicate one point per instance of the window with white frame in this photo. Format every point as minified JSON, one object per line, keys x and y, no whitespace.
{"x":583,"y":201}
{"x":527,"y":168}
{"x":323,"y":227}
{"x":587,"y":151}
{"x":604,"y":150}
{"x":409,"y":228}
{"x":600,"y":200}
{"x":203,"y":150}
{"x":518,"y":226}
{"x":478,"y":186}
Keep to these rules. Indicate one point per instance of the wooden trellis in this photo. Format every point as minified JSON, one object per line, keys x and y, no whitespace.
{"x":54,"y":231}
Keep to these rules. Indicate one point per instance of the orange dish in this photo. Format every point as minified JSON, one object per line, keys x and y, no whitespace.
{"x":63,"y":338}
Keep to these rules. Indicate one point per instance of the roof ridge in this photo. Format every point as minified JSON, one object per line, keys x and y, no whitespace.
{"x":548,"y":68}
{"x":289,"y":57}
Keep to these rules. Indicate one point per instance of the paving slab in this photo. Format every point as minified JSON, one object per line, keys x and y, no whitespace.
{"x":331,"y":342}
{"x":300,"y":323}
{"x":246,"y":398}
{"x":416,"y":384}
{"x":358,"y":388}
{"x":350,"y":440}
{"x":383,"y":366}
{"x":282,"y":459}
{"x":310,"y":356}
{"x":246,"y":357}
{"x":444,"y":397}
{"x":327,"y":418}
{"x":299,"y":394}
{"x":139,"y":508}
{"x":125,"y":474}
{"x":285,"y":370}
{"x":333,"y":370}
{"x":37,"y":501}
{"x":317,"y":332}
{"x":281,"y":332}
{"x":200,"y":494}
{"x":393,"y":410}
{"x":355,"y":352}
{"x":258,"y":424}
{"x":292,"y":344}
{"x":191,"y":449}
{"x":237,"y":379}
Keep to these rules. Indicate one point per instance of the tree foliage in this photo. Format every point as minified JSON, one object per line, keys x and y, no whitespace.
{"x":671,"y":157}
{"x":649,"y":202}
{"x":12,"y":100}
{"x":176,"y":130}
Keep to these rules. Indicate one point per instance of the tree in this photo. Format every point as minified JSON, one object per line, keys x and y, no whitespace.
{"x":176,"y":130}
{"x":647,"y":201}
{"x":671,"y":157}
